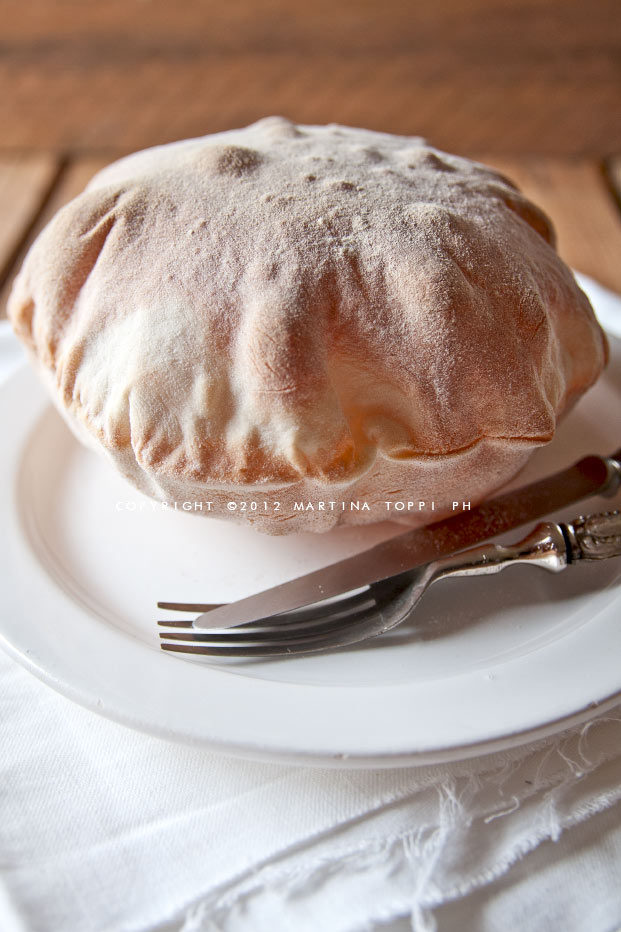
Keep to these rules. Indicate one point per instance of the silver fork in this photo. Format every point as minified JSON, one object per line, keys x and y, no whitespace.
{"x":384,"y":605}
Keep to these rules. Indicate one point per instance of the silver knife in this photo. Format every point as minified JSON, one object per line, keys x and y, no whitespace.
{"x":593,"y":475}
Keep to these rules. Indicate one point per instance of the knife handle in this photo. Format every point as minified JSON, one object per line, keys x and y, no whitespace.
{"x":595,"y":537}
{"x":546,"y":546}
{"x":550,"y":546}
{"x":613,"y":478}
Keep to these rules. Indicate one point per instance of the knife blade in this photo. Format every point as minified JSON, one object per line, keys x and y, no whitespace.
{"x":589,"y":476}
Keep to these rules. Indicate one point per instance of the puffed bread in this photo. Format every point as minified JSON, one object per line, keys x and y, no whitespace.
{"x":306,"y":314}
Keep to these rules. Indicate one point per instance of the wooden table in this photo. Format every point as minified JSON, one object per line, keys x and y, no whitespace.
{"x":530,"y":86}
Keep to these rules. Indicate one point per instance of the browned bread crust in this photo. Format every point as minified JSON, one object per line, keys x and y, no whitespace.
{"x":307,"y":313}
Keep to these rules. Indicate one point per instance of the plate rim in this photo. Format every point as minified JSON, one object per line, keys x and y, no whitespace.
{"x":273,"y":754}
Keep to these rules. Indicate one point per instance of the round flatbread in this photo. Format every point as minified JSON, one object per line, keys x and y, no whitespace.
{"x":307,"y":314}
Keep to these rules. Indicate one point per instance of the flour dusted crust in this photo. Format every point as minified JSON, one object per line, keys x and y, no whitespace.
{"x":307,"y":313}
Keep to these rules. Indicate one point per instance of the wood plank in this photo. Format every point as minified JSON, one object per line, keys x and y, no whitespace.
{"x":25,"y":181}
{"x":613,"y":176}
{"x":577,"y":198}
{"x":493,"y":75}
{"x":70,"y":182}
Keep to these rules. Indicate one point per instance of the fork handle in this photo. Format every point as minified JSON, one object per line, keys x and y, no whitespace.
{"x":595,"y":537}
{"x":550,"y":545}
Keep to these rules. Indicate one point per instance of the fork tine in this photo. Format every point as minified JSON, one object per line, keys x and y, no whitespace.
{"x":341,"y":636}
{"x":336,"y":623}
{"x":190,"y":606}
{"x":294,"y":629}
{"x":304,"y":616}
{"x":261,"y":650}
{"x":291,"y":632}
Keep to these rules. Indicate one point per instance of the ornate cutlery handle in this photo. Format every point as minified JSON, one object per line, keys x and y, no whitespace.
{"x":550,"y":545}
{"x":595,"y":537}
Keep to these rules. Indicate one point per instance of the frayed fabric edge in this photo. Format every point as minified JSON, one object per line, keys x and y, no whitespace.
{"x":212,"y":914}
{"x":420,"y":849}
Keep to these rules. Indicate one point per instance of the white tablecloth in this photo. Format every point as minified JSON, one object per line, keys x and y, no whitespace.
{"x":103,"y":828}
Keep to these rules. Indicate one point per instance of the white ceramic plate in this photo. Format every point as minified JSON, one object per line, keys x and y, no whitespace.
{"x":490,"y":664}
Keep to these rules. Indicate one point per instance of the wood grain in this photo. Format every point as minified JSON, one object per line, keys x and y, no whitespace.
{"x":70,"y":181}
{"x":576,"y":196}
{"x":494,"y":75}
{"x":25,"y":180}
{"x":613,"y":175}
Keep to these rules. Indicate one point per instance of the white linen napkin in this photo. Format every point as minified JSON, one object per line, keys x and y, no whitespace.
{"x":103,"y":828}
